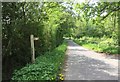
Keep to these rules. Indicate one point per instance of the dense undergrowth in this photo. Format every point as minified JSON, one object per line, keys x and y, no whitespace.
{"x":45,"y":22}
{"x":46,"y":67}
{"x":106,"y":45}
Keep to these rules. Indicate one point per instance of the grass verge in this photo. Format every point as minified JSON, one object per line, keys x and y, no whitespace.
{"x":46,"y":67}
{"x":105,"y":45}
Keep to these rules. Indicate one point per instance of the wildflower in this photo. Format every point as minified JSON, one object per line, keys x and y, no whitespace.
{"x":52,"y":78}
{"x":61,"y":75}
{"x":61,"y":78}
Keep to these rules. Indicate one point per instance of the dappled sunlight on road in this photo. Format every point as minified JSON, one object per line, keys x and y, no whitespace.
{"x":84,"y":64}
{"x":92,"y":54}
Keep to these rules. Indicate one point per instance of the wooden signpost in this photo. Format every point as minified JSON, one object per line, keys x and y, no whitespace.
{"x":32,"y":47}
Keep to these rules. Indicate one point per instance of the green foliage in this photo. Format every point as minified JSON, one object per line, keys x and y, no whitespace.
{"x":20,"y":20}
{"x":99,"y":21}
{"x":50,"y":21}
{"x":46,"y":67}
{"x":106,"y":45}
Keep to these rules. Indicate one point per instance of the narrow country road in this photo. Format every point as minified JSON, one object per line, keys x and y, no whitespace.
{"x":84,"y":64}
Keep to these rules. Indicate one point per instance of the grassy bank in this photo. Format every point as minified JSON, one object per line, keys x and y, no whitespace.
{"x":105,"y":45}
{"x":46,"y":67}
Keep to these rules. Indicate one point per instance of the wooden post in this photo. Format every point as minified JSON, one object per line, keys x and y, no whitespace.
{"x":32,"y":49}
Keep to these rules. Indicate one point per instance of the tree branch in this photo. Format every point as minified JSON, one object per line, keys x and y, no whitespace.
{"x":117,"y":9}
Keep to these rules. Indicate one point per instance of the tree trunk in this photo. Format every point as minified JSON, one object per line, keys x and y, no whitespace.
{"x":118,"y":32}
{"x":23,"y":10}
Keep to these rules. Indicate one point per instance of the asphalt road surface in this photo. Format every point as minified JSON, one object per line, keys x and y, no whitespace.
{"x":84,"y":64}
{"x":0,"y":66}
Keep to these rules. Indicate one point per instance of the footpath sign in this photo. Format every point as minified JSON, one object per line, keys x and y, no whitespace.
{"x":32,"y":38}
